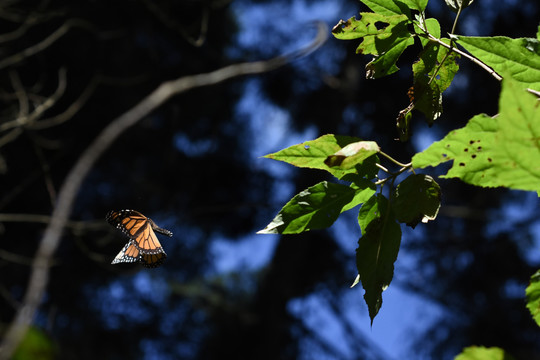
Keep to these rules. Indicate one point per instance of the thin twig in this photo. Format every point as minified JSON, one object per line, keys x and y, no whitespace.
{"x":25,"y":119}
{"x":68,"y":192}
{"x":42,"y":45}
{"x":70,"y":111}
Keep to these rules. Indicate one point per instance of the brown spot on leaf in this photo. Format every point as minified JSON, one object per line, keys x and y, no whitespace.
{"x":489,"y":159}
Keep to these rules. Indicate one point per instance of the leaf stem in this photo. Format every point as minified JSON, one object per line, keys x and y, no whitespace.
{"x":394,"y":160}
{"x":456,"y":19}
{"x":382,"y":168}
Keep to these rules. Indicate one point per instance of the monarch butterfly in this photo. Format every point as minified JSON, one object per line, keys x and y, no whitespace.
{"x":143,"y":244}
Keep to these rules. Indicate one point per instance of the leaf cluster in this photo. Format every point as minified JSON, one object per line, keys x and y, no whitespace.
{"x":490,"y":151}
{"x":416,"y":199}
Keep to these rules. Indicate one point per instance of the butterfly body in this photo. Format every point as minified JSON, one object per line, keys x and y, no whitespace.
{"x":143,"y":244}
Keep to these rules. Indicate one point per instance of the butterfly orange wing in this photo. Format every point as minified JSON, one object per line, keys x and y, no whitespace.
{"x":140,"y":230}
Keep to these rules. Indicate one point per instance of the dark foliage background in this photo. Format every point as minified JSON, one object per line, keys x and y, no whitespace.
{"x":192,"y":166}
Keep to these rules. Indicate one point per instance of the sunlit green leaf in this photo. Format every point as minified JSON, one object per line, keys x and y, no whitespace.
{"x":517,"y":58}
{"x":384,"y":36}
{"x":377,"y":250}
{"x":417,"y":198}
{"x":388,"y":7}
{"x":492,"y":152}
{"x":312,"y":154}
{"x":419,"y":5}
{"x":483,"y":353}
{"x":532,"y":294}
{"x":316,"y":207}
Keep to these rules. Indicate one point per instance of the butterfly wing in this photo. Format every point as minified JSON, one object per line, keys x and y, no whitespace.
{"x":152,"y":260}
{"x":140,"y":230}
{"x":130,"y":222}
{"x":152,"y":253}
{"x":130,"y":253}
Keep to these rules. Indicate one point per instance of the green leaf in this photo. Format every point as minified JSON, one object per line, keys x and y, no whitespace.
{"x":352,"y":155}
{"x":492,"y":152}
{"x":417,"y":198}
{"x":483,"y":353}
{"x":312,"y":154}
{"x":518,"y":58}
{"x":316,"y":207}
{"x":432,"y":27}
{"x":432,"y":76}
{"x":532,"y":294}
{"x":419,"y":5}
{"x":465,"y":146}
{"x":388,"y":7}
{"x":377,"y":250}
{"x":363,"y":190}
{"x":384,"y":36}
{"x":456,"y":4}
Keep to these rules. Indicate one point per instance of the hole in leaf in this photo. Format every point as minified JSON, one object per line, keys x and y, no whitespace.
{"x":471,"y":142}
{"x":306,"y":147}
{"x":380,"y":25}
{"x":466,"y":149}
{"x":461,"y":164}
{"x":473,"y":156}
{"x":444,"y":155}
{"x":479,"y":148}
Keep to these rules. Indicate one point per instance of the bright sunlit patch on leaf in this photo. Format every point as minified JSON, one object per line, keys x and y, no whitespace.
{"x":352,"y":155}
{"x":356,"y":281}
{"x":498,"y":151}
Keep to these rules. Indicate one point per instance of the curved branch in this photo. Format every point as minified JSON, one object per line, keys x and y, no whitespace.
{"x":68,"y":192}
